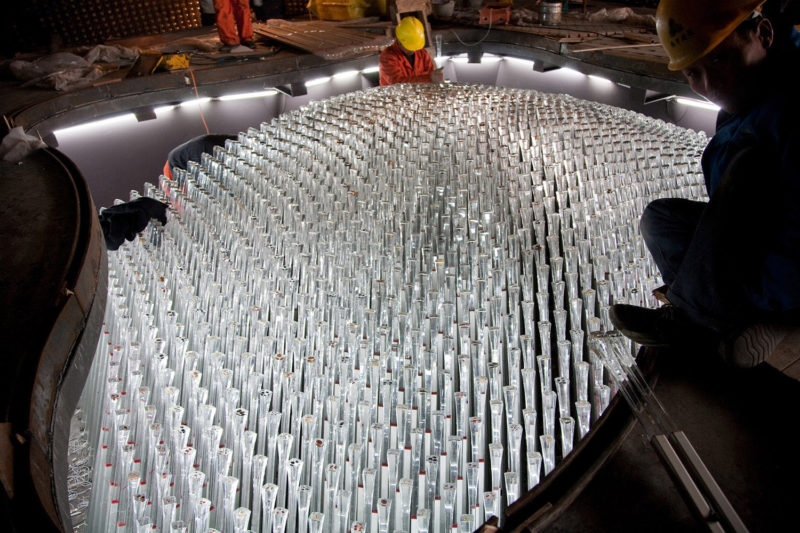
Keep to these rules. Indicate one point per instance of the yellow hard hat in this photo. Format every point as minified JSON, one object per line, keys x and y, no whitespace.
{"x":410,"y":33}
{"x":689,"y":29}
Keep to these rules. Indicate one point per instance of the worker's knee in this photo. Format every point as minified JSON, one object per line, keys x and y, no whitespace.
{"x":652,"y":222}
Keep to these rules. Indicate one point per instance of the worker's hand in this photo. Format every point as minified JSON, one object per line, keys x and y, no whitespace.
{"x":437,"y":76}
{"x":122,"y":222}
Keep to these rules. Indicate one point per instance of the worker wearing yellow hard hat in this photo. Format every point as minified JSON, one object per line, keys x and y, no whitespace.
{"x":407,"y":61}
{"x":731,"y":266}
{"x":689,"y":30}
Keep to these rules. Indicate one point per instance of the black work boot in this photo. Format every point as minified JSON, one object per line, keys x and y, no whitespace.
{"x":665,"y":326}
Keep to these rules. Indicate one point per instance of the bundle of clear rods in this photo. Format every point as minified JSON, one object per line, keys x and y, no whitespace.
{"x":372,"y":313}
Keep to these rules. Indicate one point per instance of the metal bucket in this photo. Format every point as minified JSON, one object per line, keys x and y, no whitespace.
{"x":550,"y":13}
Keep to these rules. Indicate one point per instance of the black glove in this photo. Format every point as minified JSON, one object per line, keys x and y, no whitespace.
{"x":124,"y":221}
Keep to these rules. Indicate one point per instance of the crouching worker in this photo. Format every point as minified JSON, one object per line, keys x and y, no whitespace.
{"x":407,"y":61}
{"x":731,"y":265}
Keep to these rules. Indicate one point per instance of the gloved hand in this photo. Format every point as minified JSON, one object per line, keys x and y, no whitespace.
{"x":122,"y":222}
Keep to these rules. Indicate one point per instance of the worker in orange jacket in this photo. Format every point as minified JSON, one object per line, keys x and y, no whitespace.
{"x":234,"y":24}
{"x":192,"y":150}
{"x":406,"y":61}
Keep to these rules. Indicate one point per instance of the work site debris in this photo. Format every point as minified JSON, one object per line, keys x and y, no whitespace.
{"x":120,"y":55}
{"x":622,"y":14}
{"x":18,"y":144}
{"x":65,"y":71}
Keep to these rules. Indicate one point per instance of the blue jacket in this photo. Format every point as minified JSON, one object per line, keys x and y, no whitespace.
{"x":772,"y":127}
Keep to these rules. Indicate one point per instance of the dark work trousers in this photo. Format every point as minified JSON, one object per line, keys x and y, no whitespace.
{"x":709,"y":253}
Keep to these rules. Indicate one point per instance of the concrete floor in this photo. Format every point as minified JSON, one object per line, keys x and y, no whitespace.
{"x":743,"y":425}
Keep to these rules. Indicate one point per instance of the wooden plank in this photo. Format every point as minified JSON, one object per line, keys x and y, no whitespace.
{"x":314,"y":40}
{"x":321,"y":38}
{"x":793,"y":371}
{"x":315,"y":28}
{"x":561,"y":35}
{"x":601,"y":42}
{"x":385,"y":24}
{"x":653,"y":55}
{"x":575,"y":25}
{"x":407,"y":6}
{"x":641,"y":37}
{"x":340,"y":32}
{"x":787,"y":353}
{"x":357,"y":22}
{"x":616,"y":47}
{"x":352,"y":32}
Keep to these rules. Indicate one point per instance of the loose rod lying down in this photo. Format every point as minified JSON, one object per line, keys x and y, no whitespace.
{"x":698,"y":487}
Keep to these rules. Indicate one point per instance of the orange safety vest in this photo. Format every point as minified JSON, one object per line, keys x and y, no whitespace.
{"x":394,"y":66}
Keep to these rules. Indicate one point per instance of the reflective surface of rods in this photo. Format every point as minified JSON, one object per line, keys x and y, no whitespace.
{"x":371,"y":313}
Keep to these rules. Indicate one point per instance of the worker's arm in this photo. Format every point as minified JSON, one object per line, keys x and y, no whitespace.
{"x":123,"y":221}
{"x":393,"y":72}
{"x":436,"y":74}
{"x":425,"y":59}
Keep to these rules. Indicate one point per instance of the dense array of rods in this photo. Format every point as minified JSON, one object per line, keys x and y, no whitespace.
{"x":371,"y":313}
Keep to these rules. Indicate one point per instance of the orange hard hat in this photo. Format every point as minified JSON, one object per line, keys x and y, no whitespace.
{"x":689,"y":29}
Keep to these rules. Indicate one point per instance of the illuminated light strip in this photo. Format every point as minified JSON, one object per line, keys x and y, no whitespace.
{"x":96,"y":124}
{"x":246,"y":96}
{"x":195,"y":102}
{"x":318,"y":81}
{"x":700,"y":104}
{"x":601,"y":79}
{"x":345,"y":74}
{"x":370,"y":70}
{"x":571,"y":71}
